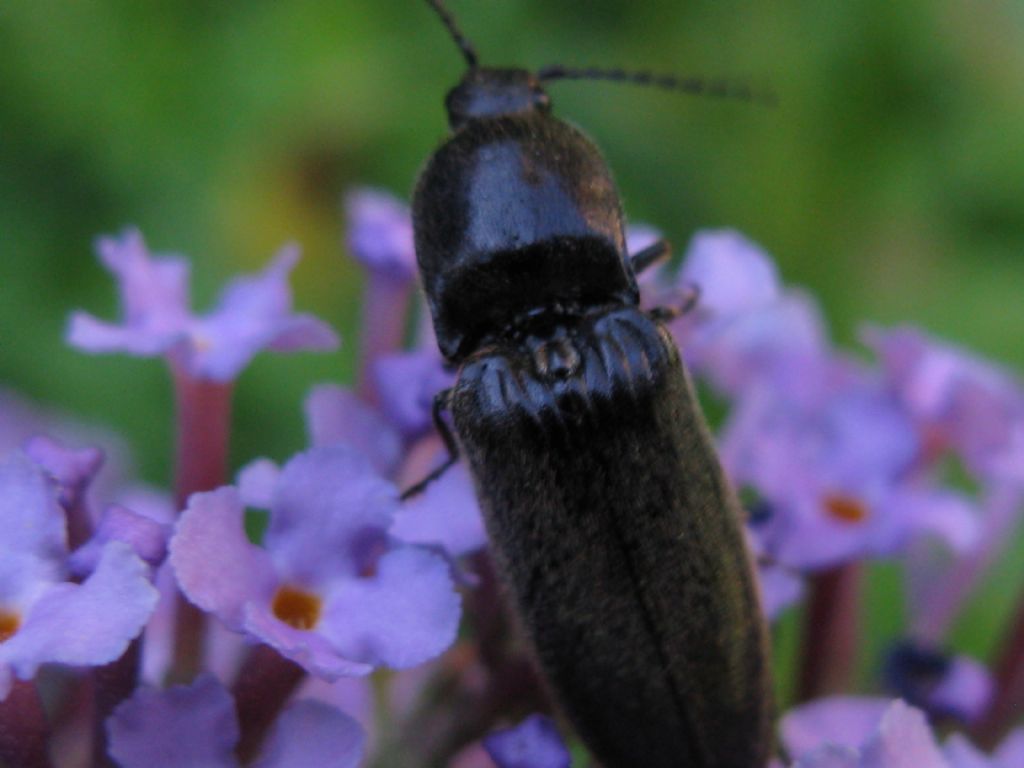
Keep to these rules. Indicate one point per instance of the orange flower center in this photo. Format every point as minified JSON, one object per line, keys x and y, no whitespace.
{"x":9,"y":623}
{"x":846,"y":509}
{"x":296,"y":608}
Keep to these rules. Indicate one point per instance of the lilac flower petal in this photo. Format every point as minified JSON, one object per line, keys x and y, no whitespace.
{"x":780,"y":588}
{"x":73,"y":469}
{"x":830,"y":756}
{"x":30,"y":516}
{"x":153,"y":290}
{"x":534,"y":743}
{"x":87,"y":624}
{"x":312,"y":650}
{"x":784,"y":342}
{"x":24,"y":577}
{"x":303,"y":331}
{"x":960,"y":753}
{"x":949,"y":516}
{"x":903,"y":740}
{"x":330,"y":514}
{"x":312,"y":733}
{"x":1011,"y":752}
{"x":839,"y":720}
{"x":926,"y":371}
{"x":964,"y":692}
{"x":90,"y":334}
{"x":965,"y":401}
{"x":256,"y":483}
{"x":154,"y":301}
{"x":147,"y":538}
{"x":445,"y":514}
{"x":254,"y":313}
{"x":194,"y":726}
{"x":149,"y":502}
{"x":733,"y":273}
{"x":217,"y":567}
{"x":407,"y":383}
{"x":337,"y":415}
{"x":380,"y":233}
{"x":404,"y":615}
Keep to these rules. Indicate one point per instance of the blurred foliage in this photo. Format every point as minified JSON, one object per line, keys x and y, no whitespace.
{"x":889,"y":180}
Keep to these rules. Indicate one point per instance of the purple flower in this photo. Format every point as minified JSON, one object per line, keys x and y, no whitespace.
{"x":733,"y":273}
{"x":841,"y":720}
{"x":252,"y":314}
{"x":780,"y":588}
{"x":147,"y":538}
{"x":337,"y":415}
{"x":380,"y":233}
{"x":197,"y":726}
{"x":534,"y":743}
{"x":330,"y":590}
{"x":43,"y":617}
{"x":73,"y":468}
{"x":783,"y":344}
{"x":958,"y":400}
{"x":941,"y":685}
{"x":832,"y":465}
{"x":962,"y":754}
{"x":26,"y":425}
{"x":846,"y":732}
{"x":445,"y":514}
{"x":406,"y":384}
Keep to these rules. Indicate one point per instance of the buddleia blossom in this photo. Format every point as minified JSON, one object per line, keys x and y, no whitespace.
{"x":45,"y":617}
{"x":945,"y":686}
{"x":328,"y":588}
{"x":838,"y":458}
{"x":853,"y":734}
{"x":197,"y":725}
{"x":864,"y":732}
{"x":253,"y":313}
{"x":959,"y":401}
{"x":534,"y":743}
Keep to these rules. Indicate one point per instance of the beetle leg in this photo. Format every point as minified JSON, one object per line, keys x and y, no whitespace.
{"x":690,"y":298}
{"x":442,"y":400}
{"x":655,"y":253}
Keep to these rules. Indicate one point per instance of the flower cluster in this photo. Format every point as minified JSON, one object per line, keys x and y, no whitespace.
{"x":301,"y":613}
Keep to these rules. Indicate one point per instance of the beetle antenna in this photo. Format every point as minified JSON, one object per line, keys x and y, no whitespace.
{"x":468,"y":52}
{"x":716,"y":88}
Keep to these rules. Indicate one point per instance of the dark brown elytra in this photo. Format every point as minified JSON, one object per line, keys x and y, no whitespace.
{"x":615,"y":532}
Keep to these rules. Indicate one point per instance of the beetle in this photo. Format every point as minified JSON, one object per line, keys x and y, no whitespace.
{"x":614,"y":530}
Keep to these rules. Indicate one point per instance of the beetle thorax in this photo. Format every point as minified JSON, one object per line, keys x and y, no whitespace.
{"x":513,"y":213}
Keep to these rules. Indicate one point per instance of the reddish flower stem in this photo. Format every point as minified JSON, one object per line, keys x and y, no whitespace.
{"x":262,"y":688}
{"x":23,"y":728}
{"x":831,"y":632}
{"x":385,"y":305}
{"x":112,"y":684}
{"x":203,"y":428}
{"x":79,"y":524}
{"x":1008,"y":698}
{"x":201,"y":464}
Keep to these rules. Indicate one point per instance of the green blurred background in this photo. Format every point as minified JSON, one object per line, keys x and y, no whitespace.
{"x":889,"y":180}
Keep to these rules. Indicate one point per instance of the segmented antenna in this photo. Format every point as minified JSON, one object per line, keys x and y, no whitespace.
{"x":453,"y":29}
{"x":721,"y":88}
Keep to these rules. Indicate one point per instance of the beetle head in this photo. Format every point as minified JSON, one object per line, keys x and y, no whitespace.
{"x":495,"y":92}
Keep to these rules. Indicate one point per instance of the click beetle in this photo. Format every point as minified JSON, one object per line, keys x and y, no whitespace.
{"x":615,"y":532}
